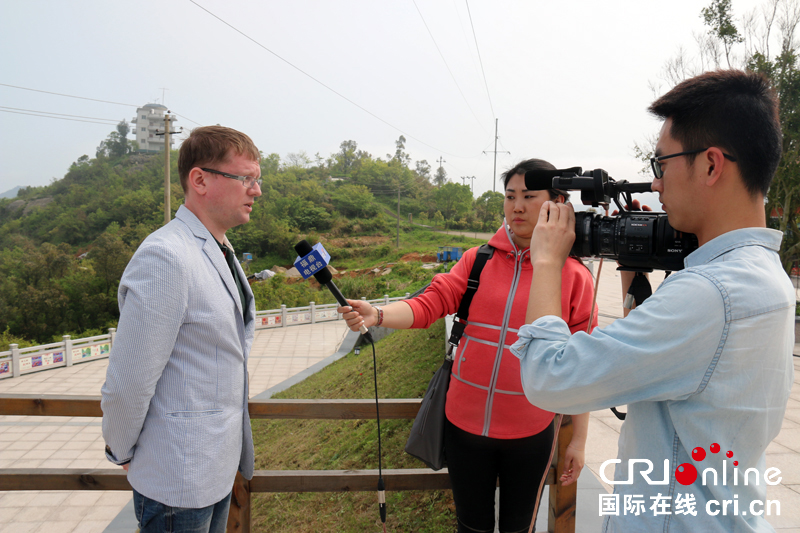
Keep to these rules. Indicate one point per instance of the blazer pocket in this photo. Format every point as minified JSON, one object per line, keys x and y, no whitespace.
{"x":194,"y":414}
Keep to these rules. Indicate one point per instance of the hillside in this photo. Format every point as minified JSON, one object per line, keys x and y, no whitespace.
{"x":64,"y":246}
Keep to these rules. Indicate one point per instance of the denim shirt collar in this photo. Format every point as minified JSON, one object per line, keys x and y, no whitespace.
{"x":768,"y":238}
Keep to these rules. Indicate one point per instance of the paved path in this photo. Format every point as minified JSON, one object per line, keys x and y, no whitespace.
{"x":63,"y":442}
{"x":36,"y":442}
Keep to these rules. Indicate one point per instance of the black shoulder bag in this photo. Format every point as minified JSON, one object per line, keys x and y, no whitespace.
{"x":426,"y":441}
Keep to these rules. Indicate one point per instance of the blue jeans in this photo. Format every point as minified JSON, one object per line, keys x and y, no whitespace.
{"x":155,"y":517}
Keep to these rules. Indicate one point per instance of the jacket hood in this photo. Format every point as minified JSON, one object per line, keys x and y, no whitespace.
{"x":502,"y":241}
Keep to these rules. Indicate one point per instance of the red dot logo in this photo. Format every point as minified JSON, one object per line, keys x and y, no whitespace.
{"x":729,"y":454}
{"x":714,"y":448}
{"x":698,"y":454}
{"x":736,"y":463}
{"x":686,"y":474}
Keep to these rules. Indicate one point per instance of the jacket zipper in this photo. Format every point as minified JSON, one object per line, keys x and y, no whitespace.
{"x":487,"y":417}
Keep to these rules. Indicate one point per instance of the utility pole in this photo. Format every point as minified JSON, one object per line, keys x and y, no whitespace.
{"x":494,"y":176}
{"x":471,"y":183}
{"x":166,"y":133}
{"x":398,"y":215}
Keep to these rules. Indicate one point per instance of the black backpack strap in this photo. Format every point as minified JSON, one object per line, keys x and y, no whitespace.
{"x":485,"y":252}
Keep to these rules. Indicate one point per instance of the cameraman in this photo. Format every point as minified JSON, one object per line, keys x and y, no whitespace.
{"x":705,"y":360}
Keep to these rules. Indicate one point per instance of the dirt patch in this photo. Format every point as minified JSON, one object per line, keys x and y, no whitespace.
{"x":356,"y":242}
{"x":418,"y":257}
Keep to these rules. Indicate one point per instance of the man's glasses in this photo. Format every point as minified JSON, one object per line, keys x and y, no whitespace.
{"x":248,"y":181}
{"x":655,"y":162}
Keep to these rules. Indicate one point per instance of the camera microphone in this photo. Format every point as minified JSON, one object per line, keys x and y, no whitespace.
{"x":324,"y":276}
{"x":542,"y":180}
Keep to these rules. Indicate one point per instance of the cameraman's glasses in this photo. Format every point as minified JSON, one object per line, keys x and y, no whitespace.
{"x":655,"y":162}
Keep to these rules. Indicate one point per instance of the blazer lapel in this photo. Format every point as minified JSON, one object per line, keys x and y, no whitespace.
{"x":211,"y":249}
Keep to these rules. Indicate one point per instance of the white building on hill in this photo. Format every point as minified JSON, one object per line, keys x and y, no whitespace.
{"x":148,"y":119}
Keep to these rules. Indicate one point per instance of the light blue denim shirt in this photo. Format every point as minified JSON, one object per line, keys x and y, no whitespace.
{"x":704,"y":363}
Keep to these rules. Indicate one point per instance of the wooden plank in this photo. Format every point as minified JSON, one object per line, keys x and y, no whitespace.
{"x":49,"y":405}
{"x":561,"y":512}
{"x":57,"y":405}
{"x":63,"y":479}
{"x":334,"y":409}
{"x":347,"y":480}
{"x":263,"y":480}
{"x":239,"y":513}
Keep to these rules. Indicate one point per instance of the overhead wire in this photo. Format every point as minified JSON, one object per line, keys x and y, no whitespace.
{"x":331,"y":89}
{"x":479,"y":59}
{"x":84,"y":98}
{"x":60,"y":114}
{"x":60,"y":118}
{"x":448,"y":66}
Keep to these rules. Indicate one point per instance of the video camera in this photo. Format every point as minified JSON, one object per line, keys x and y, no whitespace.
{"x":638,"y":240}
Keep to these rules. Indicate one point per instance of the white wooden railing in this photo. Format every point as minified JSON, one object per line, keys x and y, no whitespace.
{"x":20,"y":361}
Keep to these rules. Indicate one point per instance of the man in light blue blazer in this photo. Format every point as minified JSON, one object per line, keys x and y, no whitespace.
{"x":175,"y":398}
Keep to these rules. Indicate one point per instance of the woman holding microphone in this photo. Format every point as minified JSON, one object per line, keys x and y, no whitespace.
{"x":491,"y":430}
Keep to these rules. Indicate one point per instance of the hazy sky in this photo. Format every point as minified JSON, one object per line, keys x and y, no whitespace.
{"x":569,"y":81}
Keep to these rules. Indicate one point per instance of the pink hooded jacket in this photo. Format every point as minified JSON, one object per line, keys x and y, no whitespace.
{"x":485,"y":395}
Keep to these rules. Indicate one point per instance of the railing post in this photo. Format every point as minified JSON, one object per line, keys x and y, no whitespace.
{"x":14,"y":360}
{"x":68,"y":350}
{"x":561,"y":514}
{"x":385,"y":299}
{"x":112,"y":334}
{"x":408,"y":295}
{"x":313,"y":307}
{"x":283,"y":316}
{"x":239,"y":513}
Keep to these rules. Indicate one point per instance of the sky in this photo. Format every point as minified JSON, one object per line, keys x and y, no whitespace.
{"x":566,"y":81}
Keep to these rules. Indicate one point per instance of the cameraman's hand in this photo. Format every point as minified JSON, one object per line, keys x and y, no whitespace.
{"x":637,"y":206}
{"x":553,"y":235}
{"x":357,"y":313}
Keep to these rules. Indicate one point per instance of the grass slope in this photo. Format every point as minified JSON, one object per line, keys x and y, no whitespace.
{"x":406,"y":362}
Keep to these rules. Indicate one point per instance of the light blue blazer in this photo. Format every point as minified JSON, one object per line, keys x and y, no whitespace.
{"x":175,"y":397}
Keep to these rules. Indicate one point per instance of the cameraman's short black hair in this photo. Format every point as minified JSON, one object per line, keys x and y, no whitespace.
{"x":533,"y":164}
{"x":734,"y":110}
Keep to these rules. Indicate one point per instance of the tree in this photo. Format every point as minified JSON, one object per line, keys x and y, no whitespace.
{"x":453,"y":200}
{"x":441,"y":177}
{"x":719,"y":19}
{"x":423,"y":170}
{"x":783,"y":200}
{"x":489,"y":210}
{"x":399,"y":155}
{"x":345,"y":157}
{"x":116,"y":144}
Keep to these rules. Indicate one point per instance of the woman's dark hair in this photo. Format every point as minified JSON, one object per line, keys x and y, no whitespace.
{"x":532,"y":164}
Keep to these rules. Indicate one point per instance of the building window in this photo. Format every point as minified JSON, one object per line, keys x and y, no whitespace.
{"x":144,"y":117}
{"x":144,"y":129}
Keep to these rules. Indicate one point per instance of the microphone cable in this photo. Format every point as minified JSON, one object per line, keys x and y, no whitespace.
{"x":381,"y":485}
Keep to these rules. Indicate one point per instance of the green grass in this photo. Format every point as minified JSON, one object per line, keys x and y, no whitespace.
{"x":406,"y":362}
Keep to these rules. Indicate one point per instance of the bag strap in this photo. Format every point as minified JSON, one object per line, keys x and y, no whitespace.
{"x":485,"y":252}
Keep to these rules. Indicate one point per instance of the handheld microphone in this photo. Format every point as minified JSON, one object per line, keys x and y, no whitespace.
{"x":324,"y":276}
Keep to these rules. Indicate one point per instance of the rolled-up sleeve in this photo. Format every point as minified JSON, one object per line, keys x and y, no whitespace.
{"x":662,"y":350}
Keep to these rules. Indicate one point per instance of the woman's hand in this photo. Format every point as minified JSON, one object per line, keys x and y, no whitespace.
{"x":357,"y":313}
{"x":573,"y":464}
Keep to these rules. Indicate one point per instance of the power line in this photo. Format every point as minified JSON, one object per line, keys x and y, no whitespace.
{"x":448,"y":67}
{"x":303,"y":72}
{"x":83,"y":98}
{"x":479,"y":59}
{"x":59,"y":118}
{"x":60,"y":114}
